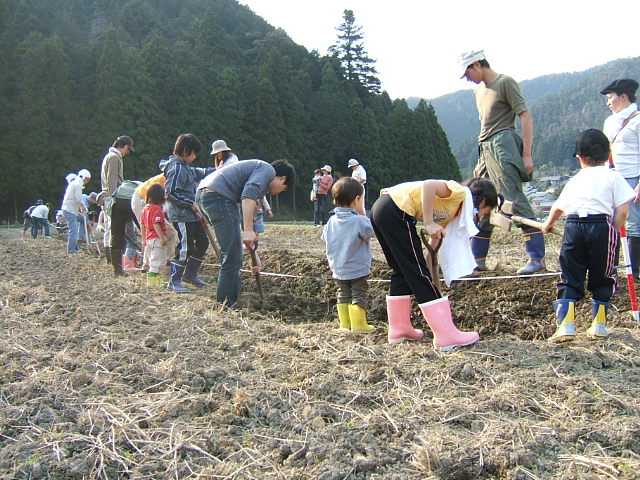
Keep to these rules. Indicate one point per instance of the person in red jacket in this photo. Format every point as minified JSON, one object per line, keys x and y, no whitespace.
{"x":320,"y":216}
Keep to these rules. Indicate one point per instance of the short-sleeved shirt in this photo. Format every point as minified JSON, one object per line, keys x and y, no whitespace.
{"x":498,"y":105}
{"x":152,"y":214}
{"x":594,"y":191}
{"x":359,"y":173}
{"x":245,"y":179}
{"x":408,"y":197}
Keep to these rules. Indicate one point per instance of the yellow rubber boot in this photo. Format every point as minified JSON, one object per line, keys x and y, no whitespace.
{"x":152,"y":279}
{"x":358,"y":316}
{"x":565,"y":317}
{"x":343,"y":316}
{"x":598,"y":328}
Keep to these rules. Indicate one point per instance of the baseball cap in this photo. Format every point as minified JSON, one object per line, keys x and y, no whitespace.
{"x":620,"y":86}
{"x":219,"y":146}
{"x":327,"y":168}
{"x":592,"y":142}
{"x":84,"y":173}
{"x":352,"y":163}
{"x":126,"y":140}
{"x":467,"y":58}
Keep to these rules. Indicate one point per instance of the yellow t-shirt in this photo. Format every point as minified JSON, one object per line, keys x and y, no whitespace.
{"x":142,"y":189}
{"x":408,"y":197}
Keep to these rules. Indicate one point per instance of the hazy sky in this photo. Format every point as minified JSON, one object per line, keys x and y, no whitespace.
{"x":416,"y":43}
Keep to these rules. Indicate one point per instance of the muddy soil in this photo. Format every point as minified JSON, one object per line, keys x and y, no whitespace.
{"x":103,"y":377}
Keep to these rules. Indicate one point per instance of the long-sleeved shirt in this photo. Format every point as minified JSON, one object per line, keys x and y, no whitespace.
{"x":348,"y":238}
{"x":626,"y":147}
{"x":326,"y":182}
{"x":112,"y":173}
{"x":73,"y":202}
{"x":181,"y":179}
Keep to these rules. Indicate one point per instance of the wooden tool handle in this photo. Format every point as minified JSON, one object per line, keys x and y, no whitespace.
{"x":533,"y":223}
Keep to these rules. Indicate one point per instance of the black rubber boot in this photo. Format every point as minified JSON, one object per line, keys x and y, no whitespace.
{"x":107,"y":254}
{"x":191,"y":272}
{"x":116,"y":261}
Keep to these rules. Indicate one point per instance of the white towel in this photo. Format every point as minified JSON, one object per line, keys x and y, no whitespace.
{"x":456,"y":258}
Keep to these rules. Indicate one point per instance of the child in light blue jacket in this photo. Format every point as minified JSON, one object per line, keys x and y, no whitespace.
{"x":348,"y":235}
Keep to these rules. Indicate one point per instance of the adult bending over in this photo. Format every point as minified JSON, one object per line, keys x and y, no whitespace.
{"x":219,"y":194}
{"x":437,"y":203}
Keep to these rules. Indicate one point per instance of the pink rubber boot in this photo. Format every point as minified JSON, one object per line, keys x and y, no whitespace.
{"x":128,"y":264}
{"x":399,"y":314}
{"x":446,"y":336}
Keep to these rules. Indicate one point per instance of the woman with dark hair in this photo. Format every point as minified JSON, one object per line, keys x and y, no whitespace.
{"x":447,"y":208}
{"x":622,"y":128}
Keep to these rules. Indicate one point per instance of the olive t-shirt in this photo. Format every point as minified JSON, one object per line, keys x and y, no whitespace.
{"x":498,"y":105}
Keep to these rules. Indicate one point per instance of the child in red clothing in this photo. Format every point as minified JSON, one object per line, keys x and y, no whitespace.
{"x":154,"y":234}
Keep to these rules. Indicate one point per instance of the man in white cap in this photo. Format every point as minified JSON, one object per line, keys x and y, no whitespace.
{"x":320,"y":216}
{"x":504,"y":156}
{"x":357,"y":171}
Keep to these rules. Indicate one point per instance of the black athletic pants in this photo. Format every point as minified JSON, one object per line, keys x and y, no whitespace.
{"x":400,"y":242}
{"x":589,"y":245}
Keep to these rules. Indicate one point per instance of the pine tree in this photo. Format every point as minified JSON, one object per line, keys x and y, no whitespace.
{"x":358,"y":67}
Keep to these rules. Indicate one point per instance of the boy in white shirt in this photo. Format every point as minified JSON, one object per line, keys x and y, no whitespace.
{"x":589,"y":243}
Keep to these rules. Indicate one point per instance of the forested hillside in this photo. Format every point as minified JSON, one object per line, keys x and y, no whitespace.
{"x":75,"y":74}
{"x":562,"y":105}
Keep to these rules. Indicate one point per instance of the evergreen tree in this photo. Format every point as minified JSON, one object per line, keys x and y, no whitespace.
{"x":358,"y":67}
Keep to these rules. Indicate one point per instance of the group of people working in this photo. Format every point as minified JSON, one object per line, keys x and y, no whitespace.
{"x":596,"y":202}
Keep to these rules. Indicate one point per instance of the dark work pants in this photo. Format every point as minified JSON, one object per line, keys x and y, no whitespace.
{"x":588,"y":245}
{"x":121,"y":214}
{"x":398,"y":237}
{"x":192,"y":241}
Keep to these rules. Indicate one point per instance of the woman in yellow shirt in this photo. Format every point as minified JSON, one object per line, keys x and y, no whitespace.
{"x":394,"y":216}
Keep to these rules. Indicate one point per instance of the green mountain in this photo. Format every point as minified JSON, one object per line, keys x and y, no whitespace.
{"x":562,"y":105}
{"x":75,"y":74}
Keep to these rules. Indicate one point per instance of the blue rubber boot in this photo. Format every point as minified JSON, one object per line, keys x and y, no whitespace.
{"x":598,"y":328}
{"x":565,"y":317}
{"x":191,"y":272}
{"x":175,"y":278}
{"x":480,"y":249}
{"x":534,"y":245}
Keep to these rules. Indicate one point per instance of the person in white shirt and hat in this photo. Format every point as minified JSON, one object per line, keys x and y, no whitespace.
{"x":320,"y":216}
{"x":358,"y":172}
{"x":73,"y":207}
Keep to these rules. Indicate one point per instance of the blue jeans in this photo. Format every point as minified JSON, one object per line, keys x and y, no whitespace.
{"x":319,"y":209}
{"x":81,"y":227}
{"x":633,"y":220}
{"x":38,"y":224}
{"x":130,"y":249}
{"x":72,"y":222}
{"x":224,"y":216}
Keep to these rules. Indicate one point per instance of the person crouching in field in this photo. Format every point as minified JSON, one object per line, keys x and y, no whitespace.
{"x":154,"y":234}
{"x":348,"y":235}
{"x":437,"y":203}
{"x":590,"y":240}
